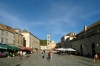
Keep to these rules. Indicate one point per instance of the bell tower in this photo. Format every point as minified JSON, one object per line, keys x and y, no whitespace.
{"x":48,"y":39}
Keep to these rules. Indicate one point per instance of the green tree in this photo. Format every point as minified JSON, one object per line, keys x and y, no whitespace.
{"x":43,"y":42}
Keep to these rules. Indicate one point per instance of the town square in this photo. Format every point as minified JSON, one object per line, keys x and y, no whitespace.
{"x":49,"y":32}
{"x":36,"y":59}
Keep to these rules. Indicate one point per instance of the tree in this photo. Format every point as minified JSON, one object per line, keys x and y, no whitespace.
{"x":43,"y":42}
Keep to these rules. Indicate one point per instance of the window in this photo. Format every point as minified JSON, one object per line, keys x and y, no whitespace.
{"x":2,"y":32}
{"x":21,"y":41}
{"x":6,"y":41}
{"x":2,"y":40}
{"x":6,"y":33}
{"x":14,"y":35}
{"x":18,"y":41}
{"x":13,"y":41}
{"x":48,"y":37}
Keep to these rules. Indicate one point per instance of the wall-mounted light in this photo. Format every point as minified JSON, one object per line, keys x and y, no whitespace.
{"x":97,"y":45}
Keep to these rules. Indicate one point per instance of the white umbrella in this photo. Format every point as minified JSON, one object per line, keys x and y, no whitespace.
{"x":70,"y":49}
{"x":60,"y":49}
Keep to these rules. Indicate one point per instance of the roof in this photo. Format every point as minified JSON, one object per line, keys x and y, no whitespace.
{"x":91,"y":26}
{"x":71,"y":34}
{"x":24,"y":31}
{"x":7,"y":28}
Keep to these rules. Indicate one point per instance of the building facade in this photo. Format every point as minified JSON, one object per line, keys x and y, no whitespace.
{"x":43,"y":47}
{"x":36,"y":43}
{"x":87,"y":41}
{"x":71,"y":35}
{"x":51,"y":45}
{"x":6,"y":34}
{"x":12,"y":36}
{"x":19,"y":38}
{"x":58,"y":45}
{"x":9,"y":36}
{"x":30,"y":40}
{"x":65,"y":40}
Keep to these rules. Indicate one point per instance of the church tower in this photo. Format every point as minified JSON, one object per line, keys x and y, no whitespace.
{"x":48,"y":40}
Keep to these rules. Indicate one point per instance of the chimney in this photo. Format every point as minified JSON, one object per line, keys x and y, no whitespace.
{"x":85,"y":28}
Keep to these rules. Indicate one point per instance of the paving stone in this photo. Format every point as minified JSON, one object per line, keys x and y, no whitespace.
{"x":36,"y":59}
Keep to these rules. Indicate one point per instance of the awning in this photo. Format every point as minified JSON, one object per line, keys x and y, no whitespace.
{"x":28,"y":48}
{"x":22,"y":48}
{"x":4,"y":46}
{"x":14,"y":47}
{"x":25,"y":48}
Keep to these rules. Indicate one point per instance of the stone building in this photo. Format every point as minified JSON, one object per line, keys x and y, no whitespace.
{"x":9,"y":36}
{"x":71,"y":35}
{"x":58,"y":45}
{"x":30,"y":40}
{"x":65,"y":40}
{"x":51,"y":45}
{"x":43,"y":47}
{"x":19,"y":38}
{"x":87,"y":42}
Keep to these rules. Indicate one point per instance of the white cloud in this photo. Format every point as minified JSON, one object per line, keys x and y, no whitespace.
{"x":90,"y":14}
{"x":11,"y":20}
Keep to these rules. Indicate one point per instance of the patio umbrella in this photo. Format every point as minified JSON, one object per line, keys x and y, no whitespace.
{"x":60,"y":49}
{"x":70,"y":49}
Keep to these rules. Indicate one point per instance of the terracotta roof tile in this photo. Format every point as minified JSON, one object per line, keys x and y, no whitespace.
{"x":7,"y":28}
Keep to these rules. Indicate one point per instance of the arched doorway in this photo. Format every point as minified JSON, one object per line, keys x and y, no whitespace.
{"x":93,"y":49}
{"x":81,"y":48}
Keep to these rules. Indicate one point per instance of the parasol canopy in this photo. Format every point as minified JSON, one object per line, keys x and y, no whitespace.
{"x":60,"y":49}
{"x":70,"y":49}
{"x":65,"y":49}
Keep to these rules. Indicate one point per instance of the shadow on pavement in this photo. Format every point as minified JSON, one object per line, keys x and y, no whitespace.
{"x":18,"y":65}
{"x":84,"y":63}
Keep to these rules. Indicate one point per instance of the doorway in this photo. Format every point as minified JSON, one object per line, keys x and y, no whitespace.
{"x":81,"y":48}
{"x":93,"y":49}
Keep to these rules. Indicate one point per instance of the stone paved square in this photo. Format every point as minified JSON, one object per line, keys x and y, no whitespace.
{"x":36,"y":59}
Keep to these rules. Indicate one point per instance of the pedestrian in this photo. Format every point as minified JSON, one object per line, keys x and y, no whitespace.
{"x":43,"y":54}
{"x":20,"y":55}
{"x":24,"y":54}
{"x":49,"y":55}
{"x":96,"y":57}
{"x":0,"y":54}
{"x":4,"y":54}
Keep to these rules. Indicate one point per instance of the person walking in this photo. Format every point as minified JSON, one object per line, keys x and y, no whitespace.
{"x":49,"y":55}
{"x":96,"y":57}
{"x":20,"y":55}
{"x":24,"y":54}
{"x":43,"y":54}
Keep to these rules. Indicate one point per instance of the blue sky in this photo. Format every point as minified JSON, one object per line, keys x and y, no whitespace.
{"x":54,"y":17}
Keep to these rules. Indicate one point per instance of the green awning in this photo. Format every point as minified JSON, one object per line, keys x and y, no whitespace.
{"x":15,"y":48}
{"x":4,"y":47}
